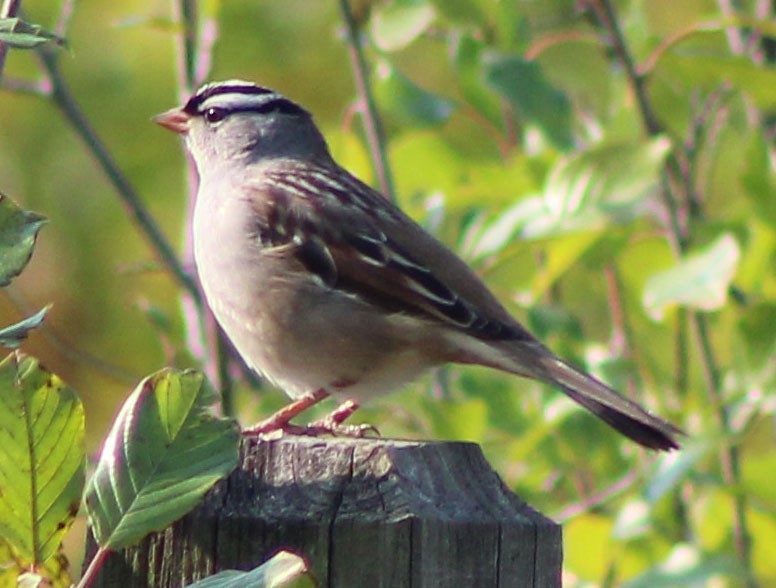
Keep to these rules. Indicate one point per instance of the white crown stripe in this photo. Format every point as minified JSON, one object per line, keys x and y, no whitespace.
{"x":237,"y":101}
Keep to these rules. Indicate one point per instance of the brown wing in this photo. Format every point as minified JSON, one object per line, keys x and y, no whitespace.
{"x":358,"y":249}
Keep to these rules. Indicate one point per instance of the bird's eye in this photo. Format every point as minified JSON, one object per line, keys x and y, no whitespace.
{"x":214,"y":115}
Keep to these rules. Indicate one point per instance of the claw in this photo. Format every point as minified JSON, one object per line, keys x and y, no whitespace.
{"x":281,"y":420}
{"x":332,"y":423}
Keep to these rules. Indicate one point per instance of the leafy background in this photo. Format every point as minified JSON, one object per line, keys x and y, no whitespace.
{"x":636,"y":237}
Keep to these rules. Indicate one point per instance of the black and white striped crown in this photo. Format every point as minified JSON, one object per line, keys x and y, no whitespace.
{"x":239,"y":96}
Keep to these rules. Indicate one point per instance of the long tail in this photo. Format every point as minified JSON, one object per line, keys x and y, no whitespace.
{"x":616,"y":410}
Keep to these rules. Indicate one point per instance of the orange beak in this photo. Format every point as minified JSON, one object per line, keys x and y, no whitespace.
{"x":175,"y":120}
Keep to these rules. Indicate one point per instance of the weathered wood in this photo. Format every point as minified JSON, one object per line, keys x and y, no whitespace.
{"x":367,"y":513}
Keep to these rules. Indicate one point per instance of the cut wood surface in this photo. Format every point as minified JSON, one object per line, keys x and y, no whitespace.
{"x":366,"y":513}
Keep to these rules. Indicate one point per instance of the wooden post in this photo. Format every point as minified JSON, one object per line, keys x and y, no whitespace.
{"x":366,"y":513}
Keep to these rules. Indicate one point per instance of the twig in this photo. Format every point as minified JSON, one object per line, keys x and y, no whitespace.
{"x":68,"y":348}
{"x":729,"y":456}
{"x":592,"y":500}
{"x":621,"y":336}
{"x":129,"y":197}
{"x":373,"y":127}
{"x":65,"y":16}
{"x":734,"y":35}
{"x":204,"y":339}
{"x":187,"y":46}
{"x":611,"y":25}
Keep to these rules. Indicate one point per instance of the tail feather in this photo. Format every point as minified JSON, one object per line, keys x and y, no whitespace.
{"x":616,"y":410}
{"x":613,"y":408}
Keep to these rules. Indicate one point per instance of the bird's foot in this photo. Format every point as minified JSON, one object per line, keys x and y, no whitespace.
{"x":332,"y":423}
{"x":280,"y":422}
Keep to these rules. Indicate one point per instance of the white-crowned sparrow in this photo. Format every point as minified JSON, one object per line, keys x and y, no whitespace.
{"x":325,"y":287}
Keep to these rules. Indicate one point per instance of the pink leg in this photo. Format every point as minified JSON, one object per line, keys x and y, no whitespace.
{"x":281,"y":420}
{"x":332,"y":423}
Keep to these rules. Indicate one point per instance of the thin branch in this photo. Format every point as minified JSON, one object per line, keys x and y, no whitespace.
{"x":67,"y":348}
{"x":187,"y":46}
{"x":734,"y":35}
{"x":65,"y":16}
{"x":621,"y":343}
{"x":597,"y":498}
{"x":729,"y":456}
{"x":94,"y":567}
{"x":608,"y":18}
{"x":374,"y":131}
{"x":204,"y":339}
{"x":129,"y":197}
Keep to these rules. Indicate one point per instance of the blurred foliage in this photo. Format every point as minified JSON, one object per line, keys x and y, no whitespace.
{"x":635,"y":233}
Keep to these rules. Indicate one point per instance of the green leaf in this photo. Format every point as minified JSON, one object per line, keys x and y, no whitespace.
{"x":23,"y":35}
{"x":394,"y":25}
{"x":758,"y":179}
{"x":282,"y":570}
{"x":587,"y":191}
{"x":686,"y":566}
{"x":14,"y":335}
{"x":700,"y":281}
{"x":606,"y":183}
{"x":525,"y":86}
{"x":41,"y":458}
{"x":407,"y":102}
{"x":467,"y":59}
{"x":162,"y":454}
{"x":465,"y":12}
{"x":672,"y":468}
{"x":18,"y":230}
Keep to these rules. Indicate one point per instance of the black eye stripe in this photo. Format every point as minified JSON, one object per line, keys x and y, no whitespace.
{"x":281,"y":105}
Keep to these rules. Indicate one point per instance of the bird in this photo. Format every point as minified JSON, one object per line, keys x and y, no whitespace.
{"x":326,"y":288}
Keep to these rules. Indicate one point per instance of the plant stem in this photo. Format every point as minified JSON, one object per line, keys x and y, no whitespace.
{"x":193,"y":60}
{"x":93,"y":569}
{"x":729,"y":456}
{"x":374,"y":130}
{"x":127,"y":194}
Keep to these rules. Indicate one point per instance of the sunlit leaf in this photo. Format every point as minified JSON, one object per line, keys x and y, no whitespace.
{"x":561,"y":254}
{"x":671,"y":468}
{"x":409,"y":103}
{"x":394,"y":25}
{"x":467,"y":59}
{"x":18,"y":230}
{"x":610,"y":178}
{"x":525,"y":86}
{"x":469,"y":13}
{"x":162,"y":454}
{"x":710,"y":72}
{"x":13,"y":335}
{"x":23,"y":35}
{"x":700,"y":281}
{"x":588,"y":191}
{"x":459,"y":420}
{"x":633,"y":520}
{"x":283,"y":570}
{"x":591,"y":533}
{"x":759,"y":180}
{"x":686,"y":566}
{"x":41,"y":458}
